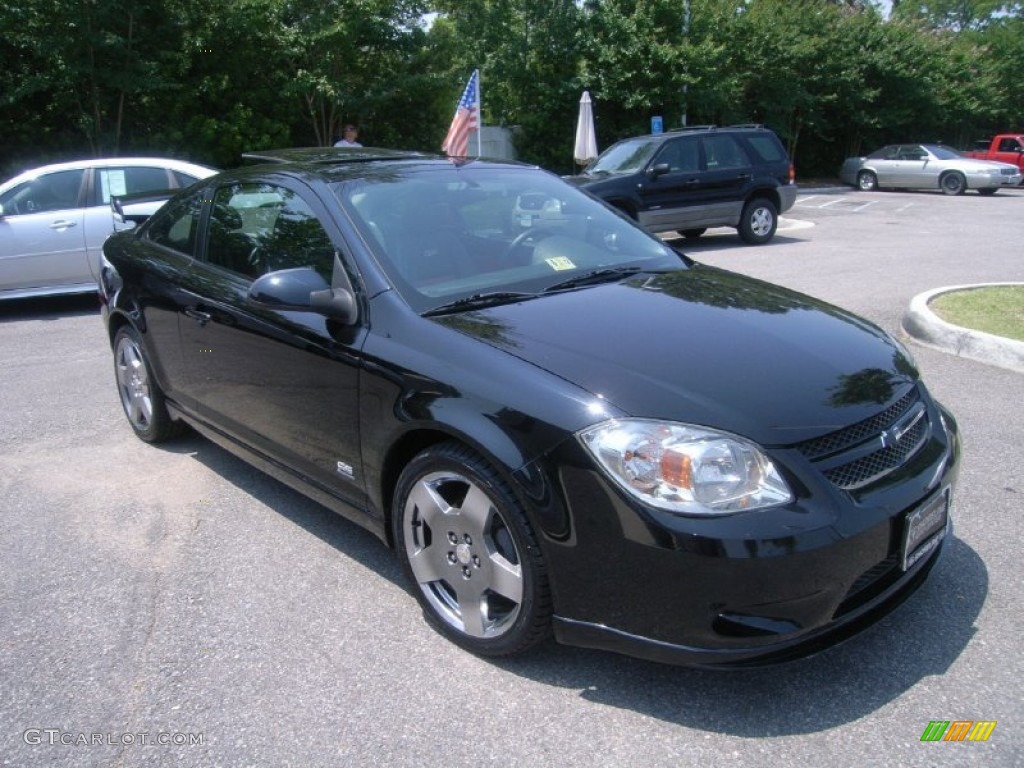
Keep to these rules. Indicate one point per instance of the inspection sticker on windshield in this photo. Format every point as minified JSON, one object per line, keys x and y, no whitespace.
{"x":560,"y":263}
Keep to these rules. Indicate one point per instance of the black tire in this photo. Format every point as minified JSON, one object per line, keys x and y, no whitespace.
{"x":693,"y":234}
{"x":988,"y":192}
{"x":953,"y":183}
{"x":867,"y":181}
{"x":140,"y":395}
{"x":759,"y":221}
{"x":465,"y":543}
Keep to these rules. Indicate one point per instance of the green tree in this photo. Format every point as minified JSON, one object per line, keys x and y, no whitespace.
{"x":528,"y":55}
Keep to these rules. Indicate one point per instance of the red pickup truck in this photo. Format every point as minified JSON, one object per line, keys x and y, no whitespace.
{"x":1006,"y":148}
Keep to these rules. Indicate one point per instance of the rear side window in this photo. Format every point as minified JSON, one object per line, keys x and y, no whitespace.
{"x":128,"y":181}
{"x":184,"y":179}
{"x":175,"y":225}
{"x":767,"y":148}
{"x":724,"y":152}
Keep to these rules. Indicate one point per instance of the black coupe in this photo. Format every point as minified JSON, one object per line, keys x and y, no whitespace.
{"x":559,"y":422}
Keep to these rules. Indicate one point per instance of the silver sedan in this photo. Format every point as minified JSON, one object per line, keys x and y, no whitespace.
{"x":927,"y":166}
{"x":54,"y":219}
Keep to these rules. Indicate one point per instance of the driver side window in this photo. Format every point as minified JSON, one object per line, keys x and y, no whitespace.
{"x":256,"y":228}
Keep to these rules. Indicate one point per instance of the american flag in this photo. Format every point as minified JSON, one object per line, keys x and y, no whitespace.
{"x":456,"y":143}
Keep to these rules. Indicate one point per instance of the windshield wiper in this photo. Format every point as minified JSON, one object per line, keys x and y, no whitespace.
{"x":604,"y":275}
{"x":477,"y":300}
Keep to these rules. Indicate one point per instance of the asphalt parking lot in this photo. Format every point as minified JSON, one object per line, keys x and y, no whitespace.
{"x":174,"y":594}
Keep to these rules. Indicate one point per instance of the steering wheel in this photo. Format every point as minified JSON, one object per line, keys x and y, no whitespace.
{"x":524,"y":238}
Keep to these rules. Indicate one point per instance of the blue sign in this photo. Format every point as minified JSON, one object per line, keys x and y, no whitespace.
{"x":657,"y":124}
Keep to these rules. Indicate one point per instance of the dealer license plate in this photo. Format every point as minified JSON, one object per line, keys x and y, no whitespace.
{"x":924,"y":530}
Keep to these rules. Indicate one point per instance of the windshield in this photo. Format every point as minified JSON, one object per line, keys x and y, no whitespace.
{"x":446,"y":234}
{"x":625,"y":157}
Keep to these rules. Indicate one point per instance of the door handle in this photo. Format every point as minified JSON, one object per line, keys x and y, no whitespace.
{"x":63,"y":224}
{"x":200,"y":317}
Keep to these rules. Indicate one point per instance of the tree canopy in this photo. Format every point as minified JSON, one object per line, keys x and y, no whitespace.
{"x":207,"y":81}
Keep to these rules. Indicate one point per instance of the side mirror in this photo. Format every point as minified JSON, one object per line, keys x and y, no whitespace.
{"x":304,"y":290}
{"x":658,"y":170}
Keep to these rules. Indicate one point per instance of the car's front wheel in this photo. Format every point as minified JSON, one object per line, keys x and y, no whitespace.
{"x":466,"y":544}
{"x":141,"y":397}
{"x":759,"y":221}
{"x":867,"y":181}
{"x":953,"y":183}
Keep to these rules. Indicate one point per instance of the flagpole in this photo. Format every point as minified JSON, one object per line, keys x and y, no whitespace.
{"x":479,"y":112}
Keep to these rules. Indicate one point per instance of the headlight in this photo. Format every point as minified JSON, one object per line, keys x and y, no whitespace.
{"x":685,"y":469}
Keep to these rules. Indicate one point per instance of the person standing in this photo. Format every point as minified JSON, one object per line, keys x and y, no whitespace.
{"x":350,"y":136}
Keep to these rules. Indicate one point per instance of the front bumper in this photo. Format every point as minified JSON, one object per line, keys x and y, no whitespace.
{"x":589,"y":635}
{"x":748,"y":589}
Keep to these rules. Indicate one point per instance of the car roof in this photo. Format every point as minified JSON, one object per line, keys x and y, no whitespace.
{"x":340,"y":163}
{"x":193,"y":169}
{"x":671,"y":132}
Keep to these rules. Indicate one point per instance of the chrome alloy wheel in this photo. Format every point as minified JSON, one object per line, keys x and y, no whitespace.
{"x":762,"y":220}
{"x":462,"y":555}
{"x":133,"y":383}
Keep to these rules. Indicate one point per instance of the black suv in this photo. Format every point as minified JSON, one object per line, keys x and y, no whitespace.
{"x":693,"y":178}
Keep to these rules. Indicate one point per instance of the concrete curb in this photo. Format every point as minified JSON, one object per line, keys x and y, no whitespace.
{"x":926,"y":327}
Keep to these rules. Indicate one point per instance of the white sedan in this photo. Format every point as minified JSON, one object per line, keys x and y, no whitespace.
{"x":54,"y":219}
{"x":927,"y":166}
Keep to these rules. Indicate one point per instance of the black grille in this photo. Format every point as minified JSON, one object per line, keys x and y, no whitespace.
{"x":874,"y":465}
{"x":859,"y":432}
{"x":855,"y":456}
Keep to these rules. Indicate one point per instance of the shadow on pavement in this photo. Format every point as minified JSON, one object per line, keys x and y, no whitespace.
{"x":49,"y":308}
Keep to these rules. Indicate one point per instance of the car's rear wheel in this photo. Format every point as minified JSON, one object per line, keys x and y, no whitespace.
{"x":988,"y":192}
{"x":867,"y":181}
{"x":141,"y":397}
{"x":466,"y":544}
{"x":953,"y":183}
{"x":759,"y":220}
{"x":692,"y":234}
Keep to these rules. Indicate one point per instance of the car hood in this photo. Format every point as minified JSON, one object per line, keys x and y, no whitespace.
{"x":707,"y":347}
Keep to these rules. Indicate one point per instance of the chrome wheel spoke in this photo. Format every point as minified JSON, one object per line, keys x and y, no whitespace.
{"x":472,"y":610}
{"x":506,"y":579}
{"x":428,"y":563}
{"x":476,"y":509}
{"x":426,"y":505}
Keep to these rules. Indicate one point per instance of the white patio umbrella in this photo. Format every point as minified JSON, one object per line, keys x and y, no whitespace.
{"x":586,"y":137}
